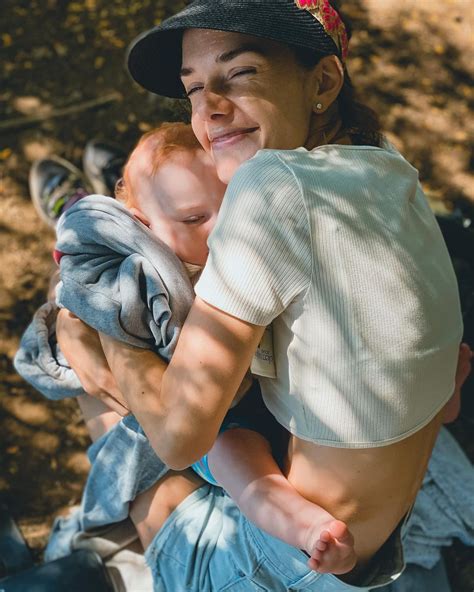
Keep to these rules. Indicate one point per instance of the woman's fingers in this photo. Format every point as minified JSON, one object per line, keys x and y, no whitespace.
{"x":81,"y":347}
{"x":464,"y":365}
{"x":453,"y":407}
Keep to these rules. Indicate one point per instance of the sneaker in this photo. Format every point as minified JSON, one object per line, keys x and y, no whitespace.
{"x":55,"y":185}
{"x":81,"y":570}
{"x":103,"y":164}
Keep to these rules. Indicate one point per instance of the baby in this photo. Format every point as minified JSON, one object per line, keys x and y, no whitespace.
{"x":170,"y":185}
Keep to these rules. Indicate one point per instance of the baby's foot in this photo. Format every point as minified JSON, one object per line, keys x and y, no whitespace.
{"x":332,"y":550}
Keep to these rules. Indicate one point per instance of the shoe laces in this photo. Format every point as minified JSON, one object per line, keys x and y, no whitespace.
{"x":61,"y":192}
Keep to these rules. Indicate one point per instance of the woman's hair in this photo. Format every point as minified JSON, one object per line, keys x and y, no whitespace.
{"x":359,"y":121}
{"x":162,"y":142}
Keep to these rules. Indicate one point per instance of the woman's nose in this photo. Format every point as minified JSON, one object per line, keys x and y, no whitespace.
{"x":213,"y":105}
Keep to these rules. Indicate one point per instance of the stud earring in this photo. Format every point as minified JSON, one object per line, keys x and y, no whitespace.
{"x":319,"y":106}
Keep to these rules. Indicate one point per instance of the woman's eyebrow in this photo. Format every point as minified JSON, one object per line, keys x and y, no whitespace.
{"x":231,"y":55}
{"x":244,"y":48}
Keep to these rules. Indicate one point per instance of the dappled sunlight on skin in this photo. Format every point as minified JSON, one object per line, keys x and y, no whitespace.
{"x":172,"y":419}
{"x":350,"y":378}
{"x":192,"y":382}
{"x":429,"y":123}
{"x":178,"y":198}
{"x":184,"y":400}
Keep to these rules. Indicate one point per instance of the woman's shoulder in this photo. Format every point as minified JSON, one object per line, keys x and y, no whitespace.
{"x":329,"y":164}
{"x":324,"y":154}
{"x":267,"y":168}
{"x":348,"y":160}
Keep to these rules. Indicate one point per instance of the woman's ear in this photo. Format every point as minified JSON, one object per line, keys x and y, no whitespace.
{"x":329,"y":74}
{"x":141,"y":216}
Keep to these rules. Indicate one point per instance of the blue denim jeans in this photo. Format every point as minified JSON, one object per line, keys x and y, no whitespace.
{"x":207,"y":545}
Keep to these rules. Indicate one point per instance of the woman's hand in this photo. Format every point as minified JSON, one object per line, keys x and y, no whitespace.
{"x":82,"y":349}
{"x":453,"y":406}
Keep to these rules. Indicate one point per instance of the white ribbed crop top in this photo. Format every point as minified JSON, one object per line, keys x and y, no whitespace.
{"x":339,"y":250}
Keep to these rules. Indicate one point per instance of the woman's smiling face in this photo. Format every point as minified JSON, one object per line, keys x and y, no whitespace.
{"x":246,"y":94}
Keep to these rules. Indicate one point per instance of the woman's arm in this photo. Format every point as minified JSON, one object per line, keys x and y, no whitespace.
{"x":181,"y":407}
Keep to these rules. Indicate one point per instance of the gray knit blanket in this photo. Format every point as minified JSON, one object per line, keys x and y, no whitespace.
{"x":118,"y":278}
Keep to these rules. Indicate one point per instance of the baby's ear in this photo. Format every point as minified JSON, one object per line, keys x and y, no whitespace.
{"x":141,"y":216}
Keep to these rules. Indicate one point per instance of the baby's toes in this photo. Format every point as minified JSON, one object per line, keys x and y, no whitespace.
{"x":313,"y":564}
{"x":326,"y":536}
{"x":341,"y":532}
{"x":321,"y":545}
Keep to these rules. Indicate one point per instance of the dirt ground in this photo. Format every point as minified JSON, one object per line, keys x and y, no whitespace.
{"x":411,"y":61}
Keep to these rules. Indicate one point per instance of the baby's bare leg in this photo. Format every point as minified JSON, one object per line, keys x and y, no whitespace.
{"x":98,"y":418}
{"x":241,"y":461}
{"x":150,"y":509}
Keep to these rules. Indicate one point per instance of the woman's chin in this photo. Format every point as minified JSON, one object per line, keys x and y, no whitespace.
{"x":227,"y":165}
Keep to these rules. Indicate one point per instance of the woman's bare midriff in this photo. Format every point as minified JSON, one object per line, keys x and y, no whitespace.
{"x":370,"y":489}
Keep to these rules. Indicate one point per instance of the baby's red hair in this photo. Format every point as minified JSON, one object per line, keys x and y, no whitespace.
{"x":163,"y":141}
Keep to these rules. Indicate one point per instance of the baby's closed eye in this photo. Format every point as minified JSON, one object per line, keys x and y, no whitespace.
{"x":198,"y":219}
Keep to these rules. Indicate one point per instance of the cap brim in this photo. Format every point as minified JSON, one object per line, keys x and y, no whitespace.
{"x":154,"y":58}
{"x":154,"y":61}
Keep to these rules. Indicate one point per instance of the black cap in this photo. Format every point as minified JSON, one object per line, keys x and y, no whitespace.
{"x":154,"y":58}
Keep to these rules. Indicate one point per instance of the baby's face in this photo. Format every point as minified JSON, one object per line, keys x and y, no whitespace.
{"x":181,"y":201}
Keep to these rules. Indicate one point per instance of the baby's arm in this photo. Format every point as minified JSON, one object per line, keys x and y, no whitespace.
{"x":98,"y":418}
{"x":242,"y":462}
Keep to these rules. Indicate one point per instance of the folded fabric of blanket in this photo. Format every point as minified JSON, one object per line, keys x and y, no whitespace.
{"x":40,"y":361}
{"x":119,"y":278}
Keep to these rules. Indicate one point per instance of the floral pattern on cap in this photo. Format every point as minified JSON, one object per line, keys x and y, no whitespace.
{"x":331,"y":21}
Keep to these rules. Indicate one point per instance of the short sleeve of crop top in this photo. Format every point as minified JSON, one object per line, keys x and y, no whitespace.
{"x":260,"y":249}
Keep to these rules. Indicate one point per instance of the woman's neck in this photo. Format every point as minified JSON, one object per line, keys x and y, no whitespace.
{"x":326,"y":129}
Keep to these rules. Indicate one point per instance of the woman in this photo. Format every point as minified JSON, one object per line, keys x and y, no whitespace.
{"x":326,"y":235}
